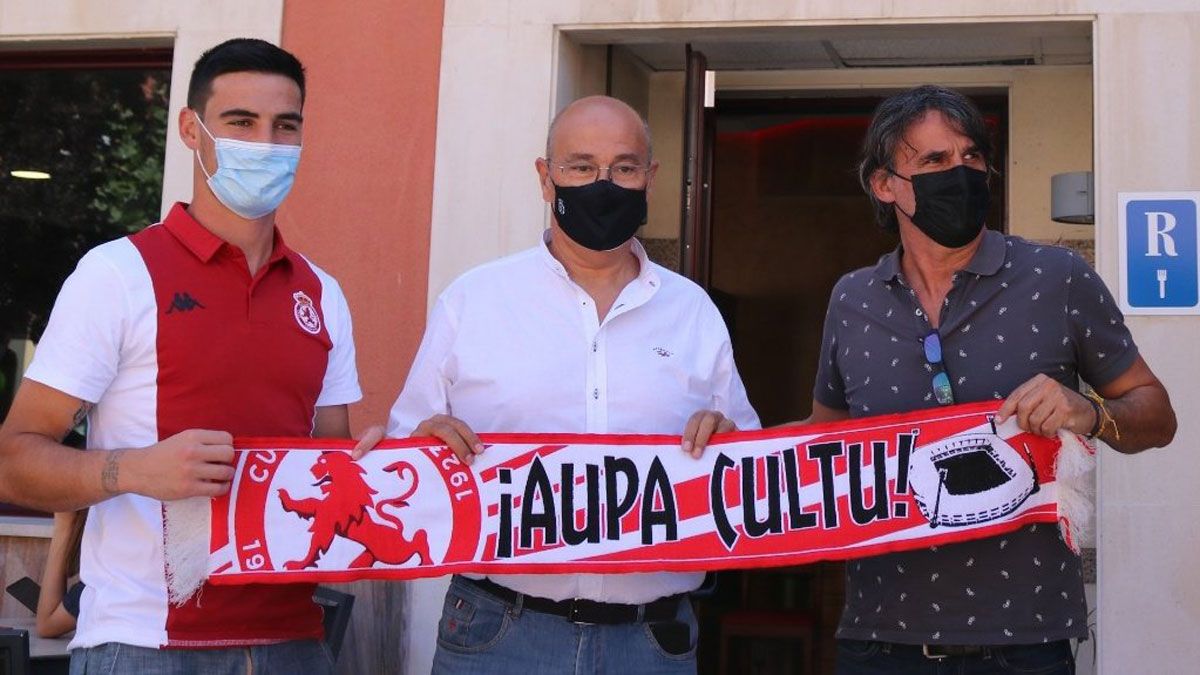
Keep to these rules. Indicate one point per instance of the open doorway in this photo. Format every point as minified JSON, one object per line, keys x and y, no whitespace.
{"x":788,"y":218}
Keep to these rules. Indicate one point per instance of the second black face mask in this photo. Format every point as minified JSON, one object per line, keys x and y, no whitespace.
{"x":951,"y":204}
{"x":601,"y":215}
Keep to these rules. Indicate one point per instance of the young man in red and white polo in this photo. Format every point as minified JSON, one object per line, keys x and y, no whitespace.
{"x":171,"y":342}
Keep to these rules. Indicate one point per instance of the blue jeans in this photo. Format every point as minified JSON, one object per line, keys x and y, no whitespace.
{"x":480,"y":634}
{"x":285,"y":658}
{"x":855,"y":657}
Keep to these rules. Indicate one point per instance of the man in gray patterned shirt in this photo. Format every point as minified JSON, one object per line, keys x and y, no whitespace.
{"x":959,"y":313}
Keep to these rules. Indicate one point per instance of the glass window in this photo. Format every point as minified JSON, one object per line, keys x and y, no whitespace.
{"x":81,"y":162}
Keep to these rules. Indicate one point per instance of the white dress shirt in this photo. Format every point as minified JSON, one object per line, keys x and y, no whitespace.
{"x":515,"y":346}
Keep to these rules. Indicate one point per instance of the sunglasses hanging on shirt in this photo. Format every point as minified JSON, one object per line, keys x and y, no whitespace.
{"x":941,"y":379}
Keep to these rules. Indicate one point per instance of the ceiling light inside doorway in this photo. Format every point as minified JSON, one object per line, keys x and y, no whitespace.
{"x":29,"y":174}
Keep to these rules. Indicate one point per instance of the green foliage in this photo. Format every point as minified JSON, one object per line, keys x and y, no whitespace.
{"x":131,"y":163}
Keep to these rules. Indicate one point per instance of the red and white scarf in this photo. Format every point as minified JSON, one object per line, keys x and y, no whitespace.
{"x":301,"y":510}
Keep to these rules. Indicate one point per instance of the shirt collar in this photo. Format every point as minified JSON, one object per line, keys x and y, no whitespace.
{"x":204,"y":244}
{"x":888,"y":267}
{"x":548,"y":257}
{"x":195,"y":237}
{"x":647,"y":276}
{"x":988,"y":259}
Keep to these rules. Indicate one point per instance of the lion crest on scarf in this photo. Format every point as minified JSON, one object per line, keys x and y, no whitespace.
{"x":347,"y":508}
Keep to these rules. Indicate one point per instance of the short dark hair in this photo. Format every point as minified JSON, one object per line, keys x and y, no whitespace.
{"x":240,"y":55}
{"x":891,"y":121}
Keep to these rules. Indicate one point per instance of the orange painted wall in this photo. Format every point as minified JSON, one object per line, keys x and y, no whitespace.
{"x":364,"y":191}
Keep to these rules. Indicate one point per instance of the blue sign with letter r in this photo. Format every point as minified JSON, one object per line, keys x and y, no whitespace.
{"x":1161,"y":253}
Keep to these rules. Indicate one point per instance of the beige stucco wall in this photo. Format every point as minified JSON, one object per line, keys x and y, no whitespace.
{"x":520,"y":59}
{"x":630,"y":81}
{"x":1050,"y":123}
{"x":666,"y":123}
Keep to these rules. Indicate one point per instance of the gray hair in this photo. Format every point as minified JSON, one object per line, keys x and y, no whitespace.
{"x":891,"y":121}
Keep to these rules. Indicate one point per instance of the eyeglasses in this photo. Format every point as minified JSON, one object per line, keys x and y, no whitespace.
{"x":625,"y":174}
{"x":941,"y":379}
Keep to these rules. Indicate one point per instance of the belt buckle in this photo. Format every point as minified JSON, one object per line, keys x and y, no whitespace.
{"x":932,"y":655}
{"x":573,"y":613}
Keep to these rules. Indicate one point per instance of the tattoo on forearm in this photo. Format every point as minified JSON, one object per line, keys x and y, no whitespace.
{"x":109,"y":475}
{"x":81,"y":414}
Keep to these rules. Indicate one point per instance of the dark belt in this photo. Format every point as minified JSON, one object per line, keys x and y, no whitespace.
{"x":580,"y":610}
{"x":938,"y":652}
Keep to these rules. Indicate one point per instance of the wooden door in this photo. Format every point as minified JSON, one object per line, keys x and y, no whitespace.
{"x":696,"y":231}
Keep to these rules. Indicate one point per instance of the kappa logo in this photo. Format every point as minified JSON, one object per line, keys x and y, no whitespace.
{"x":306,"y":313}
{"x":184,"y":302}
{"x":562,"y":208}
{"x":348,"y":509}
{"x":662,"y":352}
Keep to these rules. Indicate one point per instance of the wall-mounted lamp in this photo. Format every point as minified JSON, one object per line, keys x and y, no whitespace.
{"x":1071,"y":199}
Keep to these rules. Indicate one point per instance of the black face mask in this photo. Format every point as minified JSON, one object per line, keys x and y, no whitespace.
{"x":951,"y":204}
{"x":601,"y":215}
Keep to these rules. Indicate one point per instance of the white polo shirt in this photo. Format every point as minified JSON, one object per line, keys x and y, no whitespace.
{"x":515,"y":346}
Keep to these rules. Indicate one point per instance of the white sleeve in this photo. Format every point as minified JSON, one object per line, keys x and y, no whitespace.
{"x":427,"y":390}
{"x":341,"y":374}
{"x":80,"y":352}
{"x":729,"y":394}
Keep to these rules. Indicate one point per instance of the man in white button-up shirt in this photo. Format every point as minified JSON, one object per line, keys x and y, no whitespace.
{"x":580,"y":334}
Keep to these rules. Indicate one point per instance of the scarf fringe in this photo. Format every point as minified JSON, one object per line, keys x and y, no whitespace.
{"x":186,"y":527}
{"x":1075,"y":474}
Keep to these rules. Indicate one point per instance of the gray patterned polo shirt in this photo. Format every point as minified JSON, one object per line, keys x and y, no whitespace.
{"x":1016,"y":310}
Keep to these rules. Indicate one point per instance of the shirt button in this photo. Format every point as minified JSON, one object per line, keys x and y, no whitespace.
{"x":596,"y":393}
{"x":593,"y":346}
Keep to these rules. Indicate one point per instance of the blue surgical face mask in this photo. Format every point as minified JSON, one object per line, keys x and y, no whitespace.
{"x":251,"y":179}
